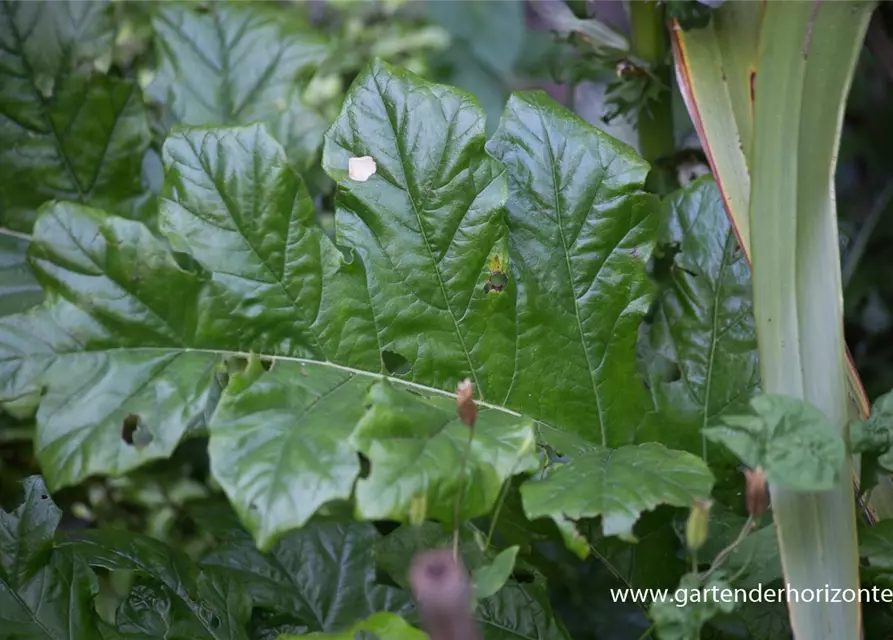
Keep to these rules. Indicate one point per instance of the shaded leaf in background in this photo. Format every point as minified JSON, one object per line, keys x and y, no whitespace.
{"x":794,"y":443}
{"x":876,"y":545}
{"x":19,"y":290}
{"x":704,"y":323}
{"x":211,"y":603}
{"x":322,"y":576}
{"x":873,"y":438}
{"x":494,"y":32}
{"x":520,"y":610}
{"x":683,"y":620}
{"x":616,"y":485}
{"x":66,"y":131}
{"x":234,"y":63}
{"x":45,"y":593}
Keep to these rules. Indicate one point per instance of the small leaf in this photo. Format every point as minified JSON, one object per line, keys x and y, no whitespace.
{"x":618,"y":485}
{"x":490,"y":578}
{"x":794,"y":443}
{"x":684,"y":618}
{"x":417,"y":448}
{"x":385,"y":626}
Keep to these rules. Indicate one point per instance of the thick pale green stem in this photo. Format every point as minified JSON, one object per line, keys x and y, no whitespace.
{"x":800,"y":97}
{"x":650,"y":43}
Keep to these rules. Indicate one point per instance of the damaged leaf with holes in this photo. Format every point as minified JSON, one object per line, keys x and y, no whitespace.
{"x":551,"y":214}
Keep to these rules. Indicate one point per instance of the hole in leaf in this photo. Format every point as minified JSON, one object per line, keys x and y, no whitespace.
{"x":43,"y":496}
{"x":214,"y":621}
{"x":395,"y":364}
{"x":267,"y":363}
{"x":134,"y":432}
{"x":523,"y":576}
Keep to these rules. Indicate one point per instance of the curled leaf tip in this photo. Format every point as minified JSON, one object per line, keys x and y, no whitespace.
{"x":465,"y":406}
{"x":361,"y":169}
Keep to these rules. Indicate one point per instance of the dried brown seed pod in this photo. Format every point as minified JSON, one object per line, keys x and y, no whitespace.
{"x":757,"y":493}
{"x":465,"y":406}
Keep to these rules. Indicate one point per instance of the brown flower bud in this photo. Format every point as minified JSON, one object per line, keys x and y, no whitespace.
{"x":465,"y":406}
{"x":443,"y":593}
{"x":698,"y":524}
{"x":757,"y":495}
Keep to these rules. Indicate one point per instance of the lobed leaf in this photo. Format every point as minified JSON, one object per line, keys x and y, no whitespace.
{"x":617,"y":485}
{"x":533,"y":287}
{"x":794,"y":443}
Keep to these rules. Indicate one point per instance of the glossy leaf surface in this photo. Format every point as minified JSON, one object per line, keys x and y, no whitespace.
{"x":704,"y":324}
{"x":617,"y":485}
{"x":547,"y":297}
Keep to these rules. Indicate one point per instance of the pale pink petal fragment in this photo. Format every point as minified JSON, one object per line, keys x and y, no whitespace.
{"x":360,"y":169}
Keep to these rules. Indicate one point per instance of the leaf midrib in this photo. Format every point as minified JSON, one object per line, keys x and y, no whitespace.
{"x":424,"y":236}
{"x":306,"y":361}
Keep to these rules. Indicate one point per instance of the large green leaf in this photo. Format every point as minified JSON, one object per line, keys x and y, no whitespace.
{"x":539,"y":307}
{"x":581,"y":233}
{"x":704,"y":324}
{"x":234,"y":63}
{"x":66,"y":131}
{"x":44,"y":593}
{"x":322,"y":576}
{"x":616,"y":485}
{"x":214,"y":603}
